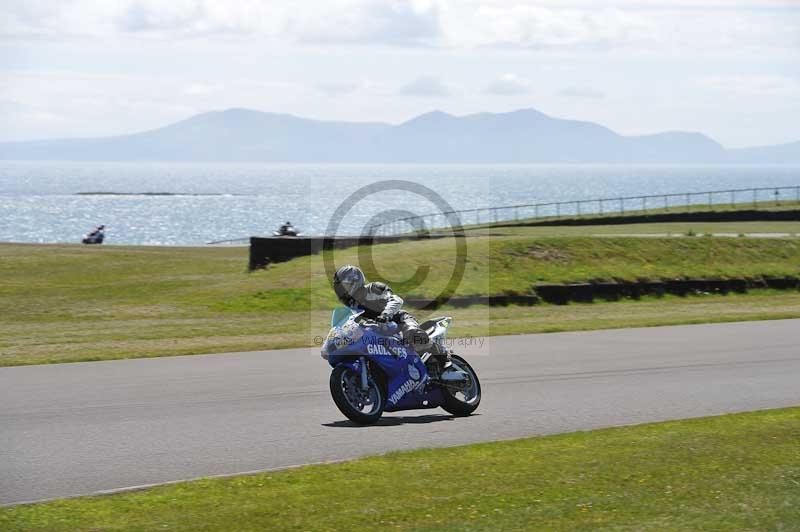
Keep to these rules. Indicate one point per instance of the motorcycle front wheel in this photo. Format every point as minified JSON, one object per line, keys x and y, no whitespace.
{"x":464,"y":400}
{"x":364,"y":407}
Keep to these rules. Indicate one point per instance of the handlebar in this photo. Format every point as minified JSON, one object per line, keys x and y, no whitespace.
{"x":369,"y":322}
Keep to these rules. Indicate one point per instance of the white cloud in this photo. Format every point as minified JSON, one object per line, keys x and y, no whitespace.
{"x":393,"y":22}
{"x":389,"y":22}
{"x":584,"y":93}
{"x":21,"y":115}
{"x":96,"y":67}
{"x":62,"y":104}
{"x":766,"y":86}
{"x":337,"y":88}
{"x":426,"y":86}
{"x":509,"y":85}
{"x":146,"y":16}
{"x":202,"y":89}
{"x":537,"y":24}
{"x":531,"y":25}
{"x":344,"y":87}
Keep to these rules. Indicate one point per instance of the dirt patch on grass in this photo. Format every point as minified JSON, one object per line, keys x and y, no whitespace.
{"x":547,"y":254}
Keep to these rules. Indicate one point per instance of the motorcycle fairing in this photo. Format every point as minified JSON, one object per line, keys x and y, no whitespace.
{"x":407,"y":374}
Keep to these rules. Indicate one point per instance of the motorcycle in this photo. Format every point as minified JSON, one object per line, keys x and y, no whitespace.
{"x":374,"y":371}
{"x":95,"y":237}
{"x":286,"y":230}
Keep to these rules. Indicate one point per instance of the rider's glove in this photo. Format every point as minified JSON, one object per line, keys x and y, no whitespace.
{"x":381,"y":319}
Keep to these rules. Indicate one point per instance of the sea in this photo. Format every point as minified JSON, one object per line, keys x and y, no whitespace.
{"x":194,"y":204}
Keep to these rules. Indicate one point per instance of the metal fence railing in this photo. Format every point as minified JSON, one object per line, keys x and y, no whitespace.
{"x":762,"y":197}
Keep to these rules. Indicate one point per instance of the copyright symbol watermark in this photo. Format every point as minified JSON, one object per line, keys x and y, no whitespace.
{"x":412,"y":285}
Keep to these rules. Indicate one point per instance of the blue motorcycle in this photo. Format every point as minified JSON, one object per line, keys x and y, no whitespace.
{"x":374,"y":371}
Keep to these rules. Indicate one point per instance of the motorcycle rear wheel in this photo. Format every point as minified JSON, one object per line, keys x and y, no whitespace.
{"x":363,"y":408}
{"x":458,"y":406}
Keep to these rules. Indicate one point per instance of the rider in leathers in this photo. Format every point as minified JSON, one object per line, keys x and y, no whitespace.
{"x":378,"y":302}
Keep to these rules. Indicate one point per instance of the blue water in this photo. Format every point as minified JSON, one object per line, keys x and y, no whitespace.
{"x":38,"y":201}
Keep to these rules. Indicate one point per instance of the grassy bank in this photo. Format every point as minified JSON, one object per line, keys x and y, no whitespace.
{"x":67,"y":303}
{"x":597,"y":219}
{"x":135,"y":336}
{"x":659,"y":229}
{"x":735,"y":472}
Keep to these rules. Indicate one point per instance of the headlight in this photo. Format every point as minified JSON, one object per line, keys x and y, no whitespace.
{"x":347,"y":334}
{"x":329,"y":345}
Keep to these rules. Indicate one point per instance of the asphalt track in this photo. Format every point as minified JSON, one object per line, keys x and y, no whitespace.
{"x":73,"y":429}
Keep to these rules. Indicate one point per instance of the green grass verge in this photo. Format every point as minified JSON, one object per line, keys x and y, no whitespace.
{"x":662,"y":229}
{"x":135,"y":337}
{"x":734,"y":472}
{"x":61,"y":303}
{"x":647,"y":312}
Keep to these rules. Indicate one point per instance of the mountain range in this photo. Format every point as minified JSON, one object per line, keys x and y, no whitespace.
{"x":523,"y":136}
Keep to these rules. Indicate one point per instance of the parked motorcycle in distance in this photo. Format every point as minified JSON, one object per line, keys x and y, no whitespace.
{"x":375,"y":372}
{"x":95,"y":237}
{"x":286,"y":229}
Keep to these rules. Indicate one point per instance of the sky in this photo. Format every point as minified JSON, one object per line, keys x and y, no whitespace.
{"x":727,"y":68}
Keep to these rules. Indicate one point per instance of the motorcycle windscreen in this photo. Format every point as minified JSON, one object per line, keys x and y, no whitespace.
{"x":340,"y":316}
